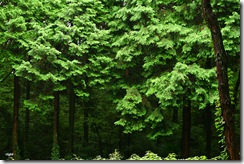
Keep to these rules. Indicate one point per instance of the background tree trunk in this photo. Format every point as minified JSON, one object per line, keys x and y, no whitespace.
{"x":222,"y":76}
{"x":85,"y":124}
{"x":208,"y":130}
{"x":71,"y":118}
{"x":56,"y":118}
{"x":27,"y":122}
{"x":175,"y":115}
{"x":186,"y":128}
{"x":99,"y":139}
{"x":16,"y":119}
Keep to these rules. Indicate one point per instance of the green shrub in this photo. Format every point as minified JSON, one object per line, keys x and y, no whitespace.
{"x":171,"y":156}
{"x":197,"y":158}
{"x":55,"y":152}
{"x":77,"y":158}
{"x":148,"y":156}
{"x":113,"y":156}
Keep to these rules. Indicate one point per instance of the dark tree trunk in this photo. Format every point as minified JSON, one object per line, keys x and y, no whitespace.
{"x":27,"y":122}
{"x":85,"y":124}
{"x":71,"y":118}
{"x":208,"y":130}
{"x":128,"y":139}
{"x":99,"y":139}
{"x":186,"y":128}
{"x":120,"y":138}
{"x":56,"y":118}
{"x":236,"y":90}
{"x":86,"y":108}
{"x":222,"y":76}
{"x":175,"y":115}
{"x":16,"y":119}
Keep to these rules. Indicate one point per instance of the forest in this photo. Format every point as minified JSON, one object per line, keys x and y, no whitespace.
{"x":120,"y":80}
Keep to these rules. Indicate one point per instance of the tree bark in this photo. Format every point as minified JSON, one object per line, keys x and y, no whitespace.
{"x":86,"y":108}
{"x":236,"y":89}
{"x":16,"y":119}
{"x":56,"y":118}
{"x":175,"y":115}
{"x":71,"y":118}
{"x":99,"y":139}
{"x":85,"y":126}
{"x":208,"y":130}
{"x":222,"y":76}
{"x":27,"y":122}
{"x":186,"y":128}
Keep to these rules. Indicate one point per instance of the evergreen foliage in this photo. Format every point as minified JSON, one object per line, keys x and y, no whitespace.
{"x":131,"y":65}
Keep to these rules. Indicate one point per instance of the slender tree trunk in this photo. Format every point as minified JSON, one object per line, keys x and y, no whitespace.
{"x":186,"y":128}
{"x":55,"y":150}
{"x":85,"y":126}
{"x":120,"y":138}
{"x":71,"y":118}
{"x":208,"y":130}
{"x":128,"y":139}
{"x":16,"y":119}
{"x":236,"y":89}
{"x":27,"y":122}
{"x":56,"y":118}
{"x":222,"y":76}
{"x":99,"y":140}
{"x":86,"y":107}
{"x":175,"y":115}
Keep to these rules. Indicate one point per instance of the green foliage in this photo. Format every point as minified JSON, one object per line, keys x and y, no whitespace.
{"x":130,"y":61}
{"x":171,"y":156}
{"x":74,"y":157}
{"x":219,"y":125}
{"x":197,"y":158}
{"x":169,"y":86}
{"x":149,"y":156}
{"x":112,"y":156}
{"x":55,"y":155}
{"x":132,"y":111}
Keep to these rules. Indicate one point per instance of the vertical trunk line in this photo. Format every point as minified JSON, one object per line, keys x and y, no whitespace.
{"x":222,"y":76}
{"x":186,"y":128}
{"x":16,"y":118}
{"x":27,"y":121}
{"x":208,"y":123}
{"x":71,"y":118}
{"x":85,"y":126}
{"x":56,"y":117}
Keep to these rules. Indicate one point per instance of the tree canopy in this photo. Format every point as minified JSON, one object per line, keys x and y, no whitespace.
{"x":85,"y":78}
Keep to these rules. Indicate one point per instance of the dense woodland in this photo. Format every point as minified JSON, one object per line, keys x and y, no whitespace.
{"x":81,"y":79}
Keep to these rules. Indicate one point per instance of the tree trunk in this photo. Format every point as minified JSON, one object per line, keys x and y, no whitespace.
{"x":208,"y":130}
{"x":128,"y":139}
{"x":71,"y":118}
{"x":222,"y":76}
{"x":120,"y":131}
{"x":27,"y":121}
{"x":175,"y":115}
{"x":99,"y":139}
{"x":86,"y":107}
{"x":186,"y":128}
{"x":85,"y":125}
{"x":56,"y":118}
{"x":236,"y":90}
{"x":55,"y":155}
{"x":16,"y":119}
